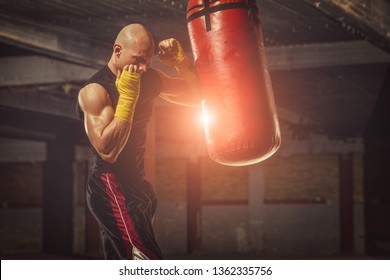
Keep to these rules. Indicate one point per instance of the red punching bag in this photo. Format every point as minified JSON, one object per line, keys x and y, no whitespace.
{"x":242,"y":126}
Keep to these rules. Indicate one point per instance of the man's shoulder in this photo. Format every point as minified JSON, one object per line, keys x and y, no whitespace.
{"x":92,"y":90}
{"x":92,"y":99}
{"x":102,"y":77}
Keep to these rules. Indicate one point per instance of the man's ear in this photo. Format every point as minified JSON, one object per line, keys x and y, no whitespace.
{"x":117,"y":50}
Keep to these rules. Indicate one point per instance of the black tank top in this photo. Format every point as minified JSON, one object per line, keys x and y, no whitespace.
{"x":130,"y":162}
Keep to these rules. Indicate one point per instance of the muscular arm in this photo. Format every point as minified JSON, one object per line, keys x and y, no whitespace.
{"x":107,"y":133}
{"x":179,"y":91}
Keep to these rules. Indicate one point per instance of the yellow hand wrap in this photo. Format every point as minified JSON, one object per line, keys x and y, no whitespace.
{"x":178,"y":59}
{"x":128,"y":85}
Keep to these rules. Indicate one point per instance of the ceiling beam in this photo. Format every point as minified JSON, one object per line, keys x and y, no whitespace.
{"x":71,"y":47}
{"x":23,"y":133}
{"x":36,"y":70}
{"x":68,"y":47}
{"x":39,"y":102}
{"x":324,"y":55}
{"x":370,"y":18}
{"x":36,"y":125}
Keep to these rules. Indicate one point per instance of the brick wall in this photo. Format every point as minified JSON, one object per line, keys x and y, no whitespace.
{"x":302,"y":177}
{"x":289,"y":228}
{"x":220,"y":182}
{"x":293,"y":177}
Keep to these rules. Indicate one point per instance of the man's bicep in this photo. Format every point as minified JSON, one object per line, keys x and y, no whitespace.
{"x":98,"y":112}
{"x":96,"y":123}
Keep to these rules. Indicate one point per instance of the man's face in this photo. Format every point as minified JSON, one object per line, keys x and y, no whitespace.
{"x":138,"y":52}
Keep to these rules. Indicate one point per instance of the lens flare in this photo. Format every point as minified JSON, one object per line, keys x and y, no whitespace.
{"x":206,"y":121}
{"x":206,"y":116}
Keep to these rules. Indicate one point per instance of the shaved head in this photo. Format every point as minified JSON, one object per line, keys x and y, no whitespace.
{"x":133,"y":32}
{"x":134,"y":45}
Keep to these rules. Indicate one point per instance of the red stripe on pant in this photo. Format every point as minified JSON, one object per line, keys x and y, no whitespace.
{"x":122,"y":218}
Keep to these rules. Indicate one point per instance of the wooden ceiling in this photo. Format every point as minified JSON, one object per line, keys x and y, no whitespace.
{"x":328,"y":59}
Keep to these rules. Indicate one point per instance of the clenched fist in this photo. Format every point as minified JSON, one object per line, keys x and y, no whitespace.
{"x":172,"y":54}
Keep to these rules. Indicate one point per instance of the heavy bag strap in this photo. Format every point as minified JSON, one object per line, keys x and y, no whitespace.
{"x":248,"y":4}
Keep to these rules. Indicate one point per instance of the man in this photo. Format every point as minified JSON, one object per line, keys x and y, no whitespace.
{"x":115,"y":106}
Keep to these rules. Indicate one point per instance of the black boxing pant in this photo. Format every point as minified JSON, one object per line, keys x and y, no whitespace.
{"x":124,"y":212}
